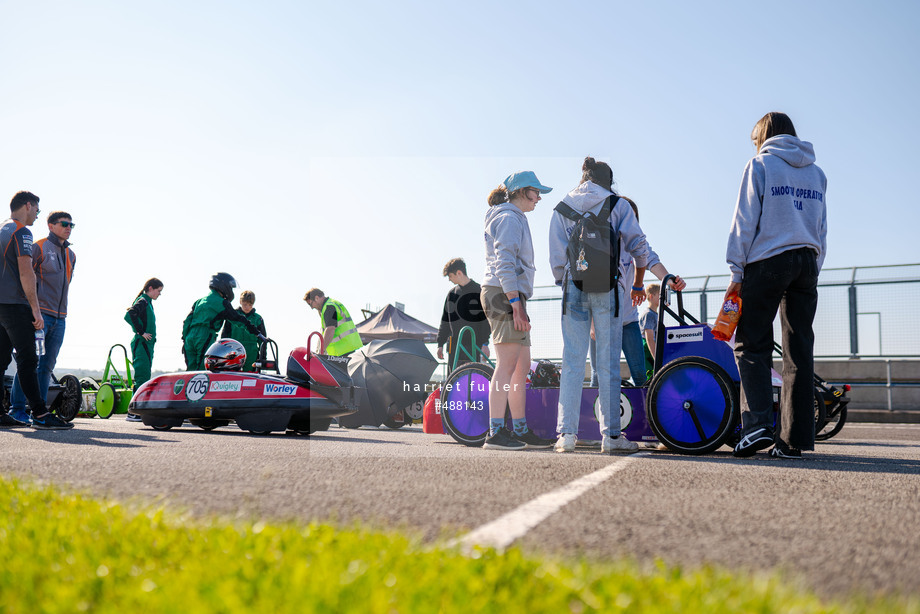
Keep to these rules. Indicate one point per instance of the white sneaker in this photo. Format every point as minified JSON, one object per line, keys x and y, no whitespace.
{"x":565,"y":443}
{"x":618,"y":445}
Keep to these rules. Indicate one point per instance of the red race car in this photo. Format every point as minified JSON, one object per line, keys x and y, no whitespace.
{"x":317,"y":389}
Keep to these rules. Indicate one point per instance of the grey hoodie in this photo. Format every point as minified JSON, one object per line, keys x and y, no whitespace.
{"x":509,"y":250}
{"x":590,"y":197}
{"x":781,"y":205}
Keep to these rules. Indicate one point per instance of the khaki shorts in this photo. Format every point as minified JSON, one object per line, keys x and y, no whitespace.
{"x":500,"y":316}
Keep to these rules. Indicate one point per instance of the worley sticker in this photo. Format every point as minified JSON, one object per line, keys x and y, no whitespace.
{"x":287,"y":390}
{"x":685,"y":335}
{"x":197,"y":387}
{"x":227,"y":386}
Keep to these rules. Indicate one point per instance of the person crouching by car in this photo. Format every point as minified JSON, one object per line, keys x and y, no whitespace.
{"x":340,"y":335}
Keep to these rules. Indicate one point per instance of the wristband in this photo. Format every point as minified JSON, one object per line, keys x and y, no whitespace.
{"x":514,"y":300}
{"x":638,"y":288}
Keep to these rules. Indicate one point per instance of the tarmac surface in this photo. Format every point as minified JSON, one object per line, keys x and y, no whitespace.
{"x":844,"y":518}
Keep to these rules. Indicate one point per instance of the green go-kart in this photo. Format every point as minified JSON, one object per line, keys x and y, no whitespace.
{"x":111,"y":394}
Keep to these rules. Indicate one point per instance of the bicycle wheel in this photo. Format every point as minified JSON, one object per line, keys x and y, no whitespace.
{"x":834,"y":423}
{"x":71,"y":398}
{"x":465,"y":403}
{"x":692,"y":405}
{"x":820,"y":412}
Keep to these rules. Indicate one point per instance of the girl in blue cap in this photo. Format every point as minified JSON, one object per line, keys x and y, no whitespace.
{"x":506,"y":286}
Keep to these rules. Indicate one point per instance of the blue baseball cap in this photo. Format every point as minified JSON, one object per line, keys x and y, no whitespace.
{"x":524,"y":179}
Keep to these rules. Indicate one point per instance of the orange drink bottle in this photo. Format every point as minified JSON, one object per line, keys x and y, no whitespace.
{"x":728,"y":317}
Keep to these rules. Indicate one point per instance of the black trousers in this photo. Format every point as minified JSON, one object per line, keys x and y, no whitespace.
{"x":16,"y":331}
{"x":787,"y":282}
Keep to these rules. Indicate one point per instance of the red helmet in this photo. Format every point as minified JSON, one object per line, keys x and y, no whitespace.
{"x":225,"y":355}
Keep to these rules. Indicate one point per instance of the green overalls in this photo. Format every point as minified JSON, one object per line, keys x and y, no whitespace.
{"x":238,"y":331}
{"x":199,"y":330}
{"x":142,"y":320}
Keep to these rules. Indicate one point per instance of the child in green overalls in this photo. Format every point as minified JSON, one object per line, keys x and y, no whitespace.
{"x":144,"y":324}
{"x":236,"y":330}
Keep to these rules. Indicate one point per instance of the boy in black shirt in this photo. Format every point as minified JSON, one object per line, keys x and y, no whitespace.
{"x":462,"y":307}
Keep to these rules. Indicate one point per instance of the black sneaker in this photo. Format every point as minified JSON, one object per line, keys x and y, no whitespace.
{"x":781,"y":450}
{"x":531,"y":440}
{"x":129,"y":417}
{"x":9,"y":422}
{"x":759,"y":439}
{"x":50,"y":422}
{"x":503,"y":440}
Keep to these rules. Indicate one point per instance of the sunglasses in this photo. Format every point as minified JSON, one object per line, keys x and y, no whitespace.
{"x":66,"y":224}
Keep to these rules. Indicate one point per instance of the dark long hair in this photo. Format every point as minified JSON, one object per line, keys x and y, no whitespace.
{"x":772,"y":124}
{"x":597,"y":172}
{"x":153,"y":282}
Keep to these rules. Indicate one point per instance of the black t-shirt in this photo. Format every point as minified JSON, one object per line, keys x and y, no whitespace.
{"x":15,"y":241}
{"x":330,"y":316}
{"x":463,"y":307}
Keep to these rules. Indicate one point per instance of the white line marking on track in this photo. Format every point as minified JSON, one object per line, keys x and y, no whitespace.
{"x":503,"y":531}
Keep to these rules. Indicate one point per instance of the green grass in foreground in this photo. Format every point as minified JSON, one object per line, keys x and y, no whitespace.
{"x":66,"y":553}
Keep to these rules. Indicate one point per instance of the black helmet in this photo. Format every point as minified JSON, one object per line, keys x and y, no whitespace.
{"x":225,"y":355}
{"x":224,"y":284}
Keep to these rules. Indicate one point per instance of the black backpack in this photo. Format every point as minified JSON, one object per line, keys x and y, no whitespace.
{"x":544,"y":375}
{"x":593,"y":251}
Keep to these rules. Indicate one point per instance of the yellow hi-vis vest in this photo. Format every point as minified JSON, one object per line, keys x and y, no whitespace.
{"x":345,"y":337}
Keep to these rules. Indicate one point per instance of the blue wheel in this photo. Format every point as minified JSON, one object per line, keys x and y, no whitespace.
{"x":465,"y":403}
{"x":692,"y":405}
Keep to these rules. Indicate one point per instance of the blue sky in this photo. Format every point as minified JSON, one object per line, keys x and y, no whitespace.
{"x":352,"y":147}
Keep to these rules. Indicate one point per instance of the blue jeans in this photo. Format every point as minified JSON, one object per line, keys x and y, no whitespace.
{"x":54,"y":339}
{"x":634,"y":352}
{"x":580,"y":308}
{"x":632,"y":348}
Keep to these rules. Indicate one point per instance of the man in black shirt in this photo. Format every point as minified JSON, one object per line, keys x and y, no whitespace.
{"x":462,"y":307}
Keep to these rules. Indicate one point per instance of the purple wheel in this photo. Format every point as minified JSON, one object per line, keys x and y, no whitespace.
{"x":465,"y":403}
{"x":692,"y":405}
